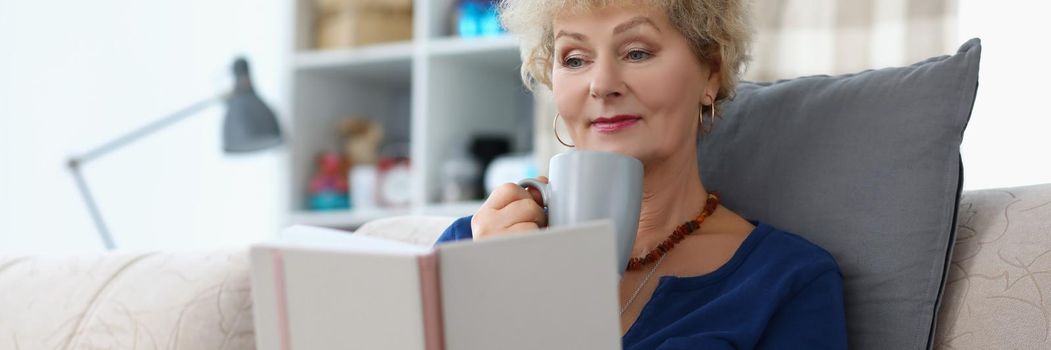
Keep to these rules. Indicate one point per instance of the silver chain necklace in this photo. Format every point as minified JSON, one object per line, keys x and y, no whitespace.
{"x":639,"y":288}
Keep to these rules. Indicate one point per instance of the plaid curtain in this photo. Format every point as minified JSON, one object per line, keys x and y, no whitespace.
{"x":806,"y":37}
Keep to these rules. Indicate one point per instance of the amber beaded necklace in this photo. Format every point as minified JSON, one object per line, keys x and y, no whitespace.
{"x":677,"y":236}
{"x":662,"y":249}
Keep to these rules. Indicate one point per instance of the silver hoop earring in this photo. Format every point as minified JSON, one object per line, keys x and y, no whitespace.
{"x":700,"y":119}
{"x":713,"y":114}
{"x":554,"y":127}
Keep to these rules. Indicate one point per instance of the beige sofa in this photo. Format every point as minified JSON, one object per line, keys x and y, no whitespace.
{"x":998,"y":295}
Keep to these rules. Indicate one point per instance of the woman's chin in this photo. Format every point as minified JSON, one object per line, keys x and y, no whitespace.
{"x":625,"y":147}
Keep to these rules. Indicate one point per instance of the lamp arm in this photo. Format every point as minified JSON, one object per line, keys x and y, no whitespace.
{"x":76,"y":161}
{"x":149,"y":129}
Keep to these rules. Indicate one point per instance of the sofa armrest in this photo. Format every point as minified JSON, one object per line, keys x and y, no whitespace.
{"x":126,"y":300}
{"x":998,"y":293}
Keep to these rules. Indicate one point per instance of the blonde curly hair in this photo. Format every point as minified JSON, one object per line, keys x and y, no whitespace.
{"x":719,"y":33}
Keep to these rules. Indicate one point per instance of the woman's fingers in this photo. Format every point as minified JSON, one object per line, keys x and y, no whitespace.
{"x":487,"y":221}
{"x":523,"y":210}
{"x":510,"y":208}
{"x":535,"y":194}
{"x":521,"y":226}
{"x":504,"y":195}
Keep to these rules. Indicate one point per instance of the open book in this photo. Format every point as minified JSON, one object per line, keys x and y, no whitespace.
{"x":319,"y":288}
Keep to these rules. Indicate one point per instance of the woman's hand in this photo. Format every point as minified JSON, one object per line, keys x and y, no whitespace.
{"x":510,"y":208}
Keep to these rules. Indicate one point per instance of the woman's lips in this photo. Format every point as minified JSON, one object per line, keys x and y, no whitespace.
{"x":614,"y":124}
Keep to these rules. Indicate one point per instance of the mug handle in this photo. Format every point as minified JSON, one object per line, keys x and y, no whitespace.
{"x":540,"y":186}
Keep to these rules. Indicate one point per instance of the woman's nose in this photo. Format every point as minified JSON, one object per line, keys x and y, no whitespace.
{"x":606,"y":81}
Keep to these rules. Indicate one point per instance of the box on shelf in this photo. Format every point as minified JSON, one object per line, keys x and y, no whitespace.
{"x":337,"y":5}
{"x":349,"y":23}
{"x":361,"y":139}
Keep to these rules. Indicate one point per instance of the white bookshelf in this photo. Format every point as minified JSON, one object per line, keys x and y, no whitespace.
{"x":433,"y":92}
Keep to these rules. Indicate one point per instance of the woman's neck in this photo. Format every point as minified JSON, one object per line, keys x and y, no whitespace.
{"x":672,"y":193}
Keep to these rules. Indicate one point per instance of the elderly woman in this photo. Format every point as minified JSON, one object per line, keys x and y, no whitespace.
{"x":637,"y":78}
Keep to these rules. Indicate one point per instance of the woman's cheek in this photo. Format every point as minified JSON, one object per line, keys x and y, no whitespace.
{"x":569,"y":100}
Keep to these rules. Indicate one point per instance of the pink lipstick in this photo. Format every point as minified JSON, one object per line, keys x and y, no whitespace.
{"x":615,"y":123}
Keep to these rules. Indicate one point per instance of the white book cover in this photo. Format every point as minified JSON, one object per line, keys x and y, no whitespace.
{"x":318,"y":288}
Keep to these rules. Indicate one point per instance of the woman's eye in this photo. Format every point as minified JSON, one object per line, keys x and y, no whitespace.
{"x":637,"y":55}
{"x":573,"y":62}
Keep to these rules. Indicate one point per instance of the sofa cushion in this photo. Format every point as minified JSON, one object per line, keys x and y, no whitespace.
{"x":865,"y":165}
{"x":998,"y":295}
{"x":126,"y":301}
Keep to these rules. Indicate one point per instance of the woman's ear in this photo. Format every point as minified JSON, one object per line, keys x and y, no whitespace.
{"x":711,"y":87}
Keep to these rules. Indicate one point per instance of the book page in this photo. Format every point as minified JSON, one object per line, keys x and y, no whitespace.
{"x":332,"y":239}
{"x":327,"y":289}
{"x":548,"y":289}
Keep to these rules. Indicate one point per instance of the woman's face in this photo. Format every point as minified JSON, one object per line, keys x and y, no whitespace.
{"x":626,"y":81}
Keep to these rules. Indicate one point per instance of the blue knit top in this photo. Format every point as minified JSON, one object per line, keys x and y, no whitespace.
{"x":778,"y":291}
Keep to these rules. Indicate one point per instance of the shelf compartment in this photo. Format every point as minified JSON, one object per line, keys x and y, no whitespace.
{"x":389,"y":63}
{"x":476,"y":47}
{"x":489,"y":100}
{"x":321,"y":101}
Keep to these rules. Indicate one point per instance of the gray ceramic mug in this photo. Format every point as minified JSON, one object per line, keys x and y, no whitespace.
{"x":592,"y":185}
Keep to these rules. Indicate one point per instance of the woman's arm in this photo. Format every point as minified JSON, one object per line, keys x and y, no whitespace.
{"x":813,"y":319}
{"x":460,"y":229}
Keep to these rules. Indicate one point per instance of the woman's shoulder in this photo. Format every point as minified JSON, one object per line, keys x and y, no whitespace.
{"x":790,"y":253}
{"x":768,"y":256}
{"x":767,"y":247}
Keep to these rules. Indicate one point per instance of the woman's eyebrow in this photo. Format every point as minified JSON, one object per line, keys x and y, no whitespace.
{"x":620,"y":28}
{"x":634,"y":22}
{"x":573,"y":35}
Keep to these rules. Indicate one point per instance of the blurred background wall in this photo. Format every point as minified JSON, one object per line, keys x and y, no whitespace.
{"x":1008,"y":141}
{"x":76,"y":74}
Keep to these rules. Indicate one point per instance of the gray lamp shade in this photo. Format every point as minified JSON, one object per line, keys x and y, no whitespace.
{"x":249,"y":124}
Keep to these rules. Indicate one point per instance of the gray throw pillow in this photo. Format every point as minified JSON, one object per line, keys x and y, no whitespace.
{"x":865,"y":165}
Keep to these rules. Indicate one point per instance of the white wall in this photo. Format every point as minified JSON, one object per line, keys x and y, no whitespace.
{"x":1008,"y":140}
{"x":75,"y":74}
